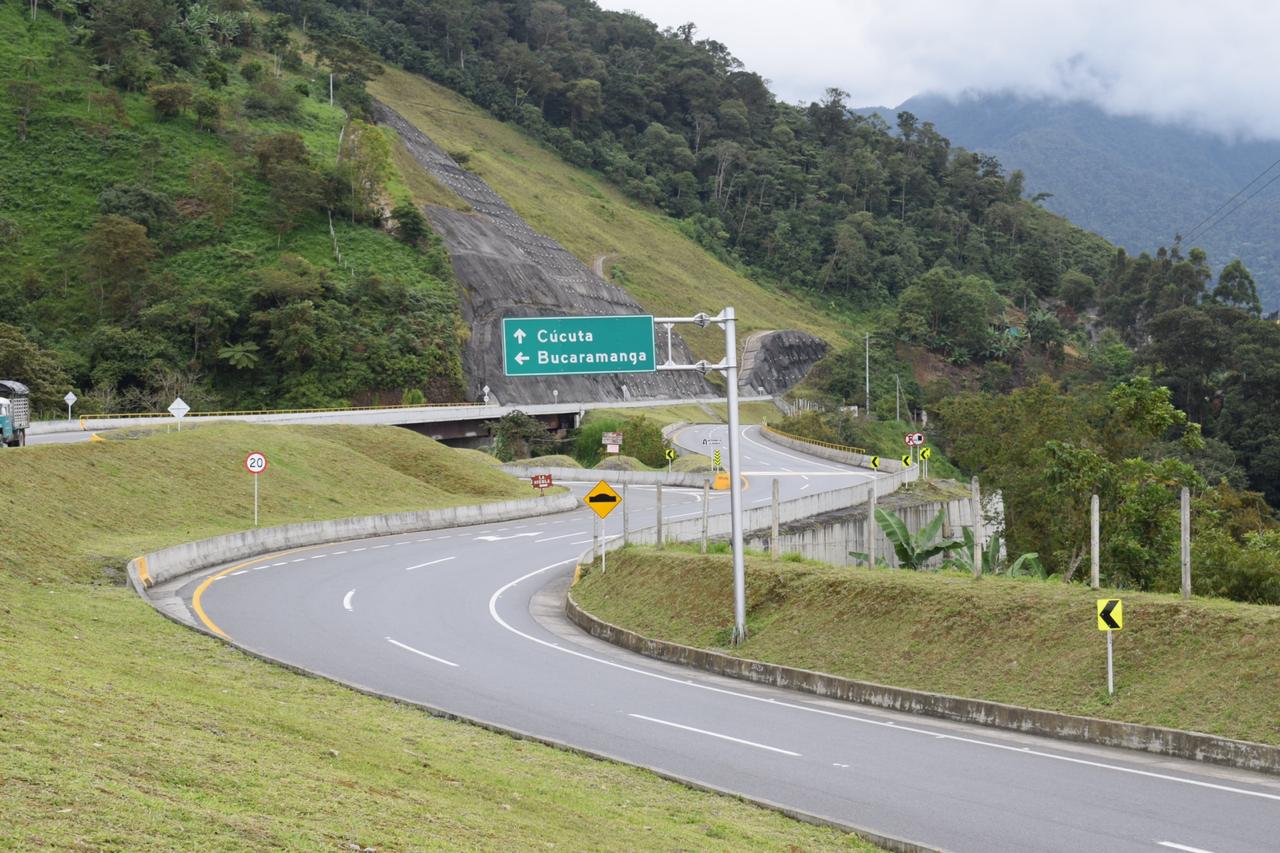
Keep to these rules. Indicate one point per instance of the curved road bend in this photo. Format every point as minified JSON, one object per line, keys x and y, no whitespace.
{"x":470,"y":620}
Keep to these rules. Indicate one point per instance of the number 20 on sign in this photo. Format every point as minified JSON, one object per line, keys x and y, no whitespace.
{"x":255,"y":463}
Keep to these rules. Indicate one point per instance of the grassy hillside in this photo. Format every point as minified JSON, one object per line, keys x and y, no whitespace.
{"x":206,"y":287}
{"x":645,"y":252}
{"x":1208,"y":665}
{"x":120,"y":730}
{"x":68,"y":501}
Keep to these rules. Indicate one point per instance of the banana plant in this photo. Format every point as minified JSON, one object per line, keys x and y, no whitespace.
{"x":1027,"y":564}
{"x":913,"y":550}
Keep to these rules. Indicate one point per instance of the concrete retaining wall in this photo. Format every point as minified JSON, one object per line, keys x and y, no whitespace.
{"x":830,"y":538}
{"x":761,"y":518}
{"x":1181,"y":744}
{"x":591,"y":475}
{"x":168,"y":563}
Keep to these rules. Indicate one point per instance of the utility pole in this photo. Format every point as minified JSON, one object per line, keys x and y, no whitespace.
{"x":897,"y":397}
{"x":867,"y":368}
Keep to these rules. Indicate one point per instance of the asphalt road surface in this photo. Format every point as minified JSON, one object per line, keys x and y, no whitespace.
{"x":470,"y":620}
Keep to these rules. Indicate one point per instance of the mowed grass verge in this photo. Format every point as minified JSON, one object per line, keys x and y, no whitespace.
{"x":120,"y":730}
{"x":1208,"y":665}
{"x":664,"y":270}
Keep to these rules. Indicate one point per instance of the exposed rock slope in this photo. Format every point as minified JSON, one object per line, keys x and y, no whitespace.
{"x":506,"y":269}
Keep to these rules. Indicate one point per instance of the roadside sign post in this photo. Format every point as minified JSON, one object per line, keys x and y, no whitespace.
{"x":601,"y":500}
{"x":255,"y":463}
{"x":541,"y":482}
{"x":612,"y":441}
{"x":670,"y":454}
{"x":552,"y":346}
{"x":70,"y":400}
{"x":179,"y":410}
{"x":1110,"y":620}
{"x":556,"y":346}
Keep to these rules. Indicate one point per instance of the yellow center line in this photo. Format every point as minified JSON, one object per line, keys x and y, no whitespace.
{"x":199,"y":593}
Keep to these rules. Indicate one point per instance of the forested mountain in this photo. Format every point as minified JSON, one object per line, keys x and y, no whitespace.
{"x":1133,"y":180}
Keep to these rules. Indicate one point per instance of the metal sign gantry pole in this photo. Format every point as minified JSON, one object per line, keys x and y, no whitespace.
{"x":729,"y":367}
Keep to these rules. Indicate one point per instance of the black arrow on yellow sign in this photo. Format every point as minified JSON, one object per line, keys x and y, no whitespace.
{"x":1108,"y":616}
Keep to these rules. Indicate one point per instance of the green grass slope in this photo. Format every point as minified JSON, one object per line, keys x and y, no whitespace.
{"x":70,"y":506}
{"x":120,"y":730}
{"x":664,"y":270}
{"x":1207,"y":665}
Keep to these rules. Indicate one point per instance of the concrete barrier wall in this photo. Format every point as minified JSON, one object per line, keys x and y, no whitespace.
{"x":168,"y":563}
{"x":1174,"y":742}
{"x":830,"y":453}
{"x":679,"y":479}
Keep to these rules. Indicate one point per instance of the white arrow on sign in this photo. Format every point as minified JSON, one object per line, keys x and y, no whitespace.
{"x":519,"y":335}
{"x":521,"y":358}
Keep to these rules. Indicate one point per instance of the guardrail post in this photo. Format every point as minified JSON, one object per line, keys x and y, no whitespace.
{"x":871,"y":525}
{"x":977,"y":526}
{"x":775,"y":547}
{"x":659,"y":510}
{"x":1186,"y":543}
{"x":1094,"y":581}
{"x":706,"y":511}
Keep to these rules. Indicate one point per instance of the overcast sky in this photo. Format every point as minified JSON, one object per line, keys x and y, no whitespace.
{"x":1212,"y":63}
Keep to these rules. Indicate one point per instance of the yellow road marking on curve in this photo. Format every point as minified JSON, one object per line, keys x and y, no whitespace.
{"x":199,"y":593}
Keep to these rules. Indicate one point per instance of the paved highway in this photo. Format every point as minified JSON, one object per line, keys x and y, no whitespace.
{"x":470,"y":620}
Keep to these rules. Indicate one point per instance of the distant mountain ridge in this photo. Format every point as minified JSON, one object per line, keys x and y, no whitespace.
{"x":1132,"y":180}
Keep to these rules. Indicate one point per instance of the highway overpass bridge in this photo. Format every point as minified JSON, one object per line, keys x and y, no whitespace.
{"x":455,"y":423}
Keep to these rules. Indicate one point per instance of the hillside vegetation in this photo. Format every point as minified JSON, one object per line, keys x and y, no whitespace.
{"x":124,"y":731}
{"x":1206,"y":665}
{"x":167,"y":190}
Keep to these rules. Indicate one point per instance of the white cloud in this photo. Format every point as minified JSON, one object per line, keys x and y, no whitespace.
{"x":1211,"y":65}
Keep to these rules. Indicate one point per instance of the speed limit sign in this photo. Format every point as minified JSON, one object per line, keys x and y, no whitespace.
{"x":255,"y":463}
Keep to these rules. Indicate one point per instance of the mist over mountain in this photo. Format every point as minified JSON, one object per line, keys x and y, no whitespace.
{"x":1134,"y":181}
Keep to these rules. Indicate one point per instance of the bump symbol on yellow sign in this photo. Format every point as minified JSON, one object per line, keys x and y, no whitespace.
{"x":926,"y":452}
{"x":906,"y":460}
{"x":874,"y":462}
{"x":1110,"y":614}
{"x":602,"y":499}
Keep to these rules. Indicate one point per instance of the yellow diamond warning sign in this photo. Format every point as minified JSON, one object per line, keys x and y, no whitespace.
{"x":602,"y":499}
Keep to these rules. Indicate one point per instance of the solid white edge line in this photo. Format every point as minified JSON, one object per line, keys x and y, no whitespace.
{"x":493,"y":613}
{"x":346,"y":599}
{"x":1183,"y":847}
{"x":419,"y":652}
{"x":715,"y":734}
{"x":432,"y":563}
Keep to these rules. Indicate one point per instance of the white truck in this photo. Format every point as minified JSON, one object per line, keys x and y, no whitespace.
{"x":15,"y":413}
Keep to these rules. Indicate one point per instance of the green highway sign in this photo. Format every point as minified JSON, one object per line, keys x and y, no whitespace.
{"x":550,"y":346}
